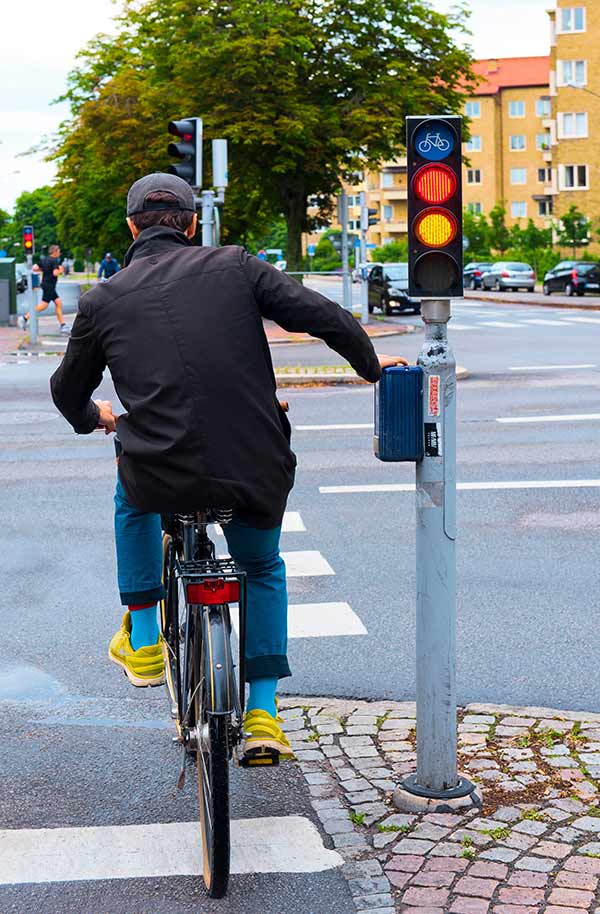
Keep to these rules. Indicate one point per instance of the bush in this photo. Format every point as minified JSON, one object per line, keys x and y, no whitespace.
{"x":394,"y":252}
{"x":326,"y":257}
{"x":78,"y":266}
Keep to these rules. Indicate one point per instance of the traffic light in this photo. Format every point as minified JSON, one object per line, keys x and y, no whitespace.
{"x":435,"y":244}
{"x":28,"y":240}
{"x":189,"y":151}
{"x":368,"y":216}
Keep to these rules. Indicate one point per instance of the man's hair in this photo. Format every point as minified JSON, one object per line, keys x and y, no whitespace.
{"x":177,"y":219}
{"x":53,"y":247}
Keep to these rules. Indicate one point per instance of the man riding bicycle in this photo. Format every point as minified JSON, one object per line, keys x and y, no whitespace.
{"x":181,"y":330}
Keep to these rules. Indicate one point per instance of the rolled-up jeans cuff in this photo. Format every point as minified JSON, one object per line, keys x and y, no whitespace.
{"x":267,"y":667}
{"x":143,"y":596}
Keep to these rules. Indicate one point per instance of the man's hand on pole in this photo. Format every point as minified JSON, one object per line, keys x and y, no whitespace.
{"x":388,"y":361}
{"x":106,"y":420}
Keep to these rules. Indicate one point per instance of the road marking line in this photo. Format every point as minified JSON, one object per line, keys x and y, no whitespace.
{"x":545,"y":323}
{"x":454,"y":326}
{"x":578,"y":417}
{"x":585,"y":320}
{"x":303,"y":564}
{"x":285,"y":844}
{"x":503,"y":324}
{"x":547,"y":367}
{"x":332,"y":428}
{"x":317,"y":620}
{"x":469,"y":486}
{"x":292,"y":523}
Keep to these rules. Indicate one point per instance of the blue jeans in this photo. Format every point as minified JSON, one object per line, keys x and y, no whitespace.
{"x":138,"y":537}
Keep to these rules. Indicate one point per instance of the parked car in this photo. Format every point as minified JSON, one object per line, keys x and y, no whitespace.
{"x":21,"y":274}
{"x":509,"y":275}
{"x":388,"y":289}
{"x":574,"y":277}
{"x":356,"y":272}
{"x":472,"y":274}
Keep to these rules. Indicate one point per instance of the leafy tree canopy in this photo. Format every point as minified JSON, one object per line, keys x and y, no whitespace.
{"x":393,"y":252}
{"x":306,"y":92}
{"x":38,"y":208}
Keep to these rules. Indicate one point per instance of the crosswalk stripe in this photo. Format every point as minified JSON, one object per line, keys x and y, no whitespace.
{"x":585,"y":320}
{"x":454,"y":326}
{"x":284,"y":844}
{"x":547,"y":367}
{"x":333,"y":428}
{"x":303,"y":563}
{"x":543,"y":322}
{"x":292,"y":523}
{"x":502,"y":324}
{"x":318,"y":620}
{"x":467,"y":486}
{"x":574,"y":417}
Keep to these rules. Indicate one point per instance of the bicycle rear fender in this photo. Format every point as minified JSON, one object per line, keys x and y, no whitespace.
{"x":218,"y":662}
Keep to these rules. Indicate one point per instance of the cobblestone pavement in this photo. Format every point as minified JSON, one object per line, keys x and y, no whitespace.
{"x":533,"y":847}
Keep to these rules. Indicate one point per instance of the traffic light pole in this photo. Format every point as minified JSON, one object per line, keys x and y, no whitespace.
{"x":364,"y":283}
{"x":346,"y":278}
{"x":436,"y":778}
{"x":207,"y":202}
{"x":33,"y":315}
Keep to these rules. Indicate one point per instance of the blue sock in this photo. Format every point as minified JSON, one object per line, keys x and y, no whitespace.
{"x":144,"y":626}
{"x":262,"y":695}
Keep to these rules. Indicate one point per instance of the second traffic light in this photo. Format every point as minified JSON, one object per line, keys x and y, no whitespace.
{"x":435,"y":250}
{"x":189,"y":151}
{"x":28,"y":240}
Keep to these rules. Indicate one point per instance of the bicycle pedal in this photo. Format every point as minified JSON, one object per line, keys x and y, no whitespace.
{"x":257,"y":758}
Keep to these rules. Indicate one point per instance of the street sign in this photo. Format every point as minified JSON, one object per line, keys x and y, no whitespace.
{"x":262,"y":255}
{"x":277,"y":251}
{"x":434,"y":206}
{"x":310,"y":250}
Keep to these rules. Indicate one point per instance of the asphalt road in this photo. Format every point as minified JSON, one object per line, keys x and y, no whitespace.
{"x":94,"y":752}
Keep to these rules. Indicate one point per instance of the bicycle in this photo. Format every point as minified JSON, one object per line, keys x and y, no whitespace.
{"x":433,"y":141}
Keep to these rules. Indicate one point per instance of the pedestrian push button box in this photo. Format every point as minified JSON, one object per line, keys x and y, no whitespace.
{"x":399,"y":414}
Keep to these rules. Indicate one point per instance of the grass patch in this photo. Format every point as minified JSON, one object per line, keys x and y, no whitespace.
{"x":468,"y":853}
{"x":534,"y":814}
{"x":381,"y":719}
{"x":524,"y":741}
{"x":401,"y":829}
{"x":594,"y":811}
{"x":358,"y":818}
{"x":313,"y":738}
{"x":467,"y":842}
{"x":498,"y":834}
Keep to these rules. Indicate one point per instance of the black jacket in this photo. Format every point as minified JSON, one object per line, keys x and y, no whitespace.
{"x":181,"y":331}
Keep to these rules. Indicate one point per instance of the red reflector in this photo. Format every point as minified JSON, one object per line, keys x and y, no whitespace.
{"x":504,"y":274}
{"x":213,"y":591}
{"x":435,"y":183}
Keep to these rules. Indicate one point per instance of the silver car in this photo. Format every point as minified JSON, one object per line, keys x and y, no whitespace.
{"x":508,"y":274}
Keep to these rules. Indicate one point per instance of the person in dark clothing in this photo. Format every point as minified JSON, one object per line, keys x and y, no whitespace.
{"x":181,"y":330}
{"x":51,"y":268}
{"x":108,"y":267}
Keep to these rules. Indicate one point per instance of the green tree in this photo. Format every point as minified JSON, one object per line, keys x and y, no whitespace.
{"x":574,"y":229}
{"x":326,"y":257}
{"x":477,"y":230}
{"x":393,"y":252}
{"x":38,"y":208}
{"x":306,"y":92}
{"x":499,"y":232}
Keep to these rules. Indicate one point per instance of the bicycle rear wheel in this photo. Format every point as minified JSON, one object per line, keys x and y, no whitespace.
{"x":212,"y":764}
{"x":170,"y":613}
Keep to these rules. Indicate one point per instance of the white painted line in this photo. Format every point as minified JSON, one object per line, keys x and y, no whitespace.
{"x":547,"y":367}
{"x":545,"y":323}
{"x":585,"y":320}
{"x":502,"y":324}
{"x":302,"y":564}
{"x":470,"y":486}
{"x":292,"y":523}
{"x":286,"y":844}
{"x":332,"y":428}
{"x":575,"y":417}
{"x":318,"y":620}
{"x":454,"y":326}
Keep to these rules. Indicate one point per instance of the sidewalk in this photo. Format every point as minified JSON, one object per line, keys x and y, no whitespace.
{"x":586,"y":302}
{"x":533,"y":847}
{"x":375,"y":328}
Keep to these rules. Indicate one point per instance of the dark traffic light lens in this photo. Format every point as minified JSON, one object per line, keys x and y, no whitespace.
{"x":436,"y":271}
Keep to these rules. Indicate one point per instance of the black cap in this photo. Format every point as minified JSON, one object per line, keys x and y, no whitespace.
{"x":170,"y":184}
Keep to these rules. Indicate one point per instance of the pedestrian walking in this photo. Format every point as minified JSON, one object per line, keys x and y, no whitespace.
{"x":108,"y":267}
{"x":51,"y":268}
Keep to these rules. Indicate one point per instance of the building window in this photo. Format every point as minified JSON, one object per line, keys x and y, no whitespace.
{"x":474,"y":176}
{"x":542,"y":141}
{"x":474,"y":208}
{"x":572,"y":19}
{"x":518,"y":209}
{"x":516,"y":109}
{"x":473,"y":109}
{"x":517,"y":142}
{"x":572,"y":125}
{"x":542,"y":107}
{"x":474,"y":144}
{"x":573,"y":177}
{"x":544,"y":175}
{"x":544,"y":207}
{"x":572,"y":73}
{"x":518,"y":176}
{"x":387,"y":179}
{"x":388,"y":213}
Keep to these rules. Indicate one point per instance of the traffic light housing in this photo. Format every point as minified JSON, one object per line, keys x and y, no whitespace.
{"x":435,"y":242}
{"x":28,"y":240}
{"x":189,"y":150}
{"x":368,"y":216}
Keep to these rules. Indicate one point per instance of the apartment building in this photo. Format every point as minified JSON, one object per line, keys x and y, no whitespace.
{"x":575,"y":108}
{"x":508,"y":152}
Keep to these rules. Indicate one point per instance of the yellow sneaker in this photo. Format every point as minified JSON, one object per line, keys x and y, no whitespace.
{"x":144,"y":667}
{"x":266,"y":738}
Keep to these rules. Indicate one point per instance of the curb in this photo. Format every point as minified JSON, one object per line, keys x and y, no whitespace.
{"x":332,"y":376}
{"x":547,"y":302}
{"x":534,"y":831}
{"x":403,"y":329}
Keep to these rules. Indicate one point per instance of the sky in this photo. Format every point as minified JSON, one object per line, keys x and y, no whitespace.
{"x":34,"y":63}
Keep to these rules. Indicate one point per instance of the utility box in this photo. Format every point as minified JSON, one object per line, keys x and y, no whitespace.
{"x":8,"y":291}
{"x":399,"y":414}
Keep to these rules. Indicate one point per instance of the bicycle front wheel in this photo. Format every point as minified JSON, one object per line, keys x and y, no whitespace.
{"x":212,"y":764}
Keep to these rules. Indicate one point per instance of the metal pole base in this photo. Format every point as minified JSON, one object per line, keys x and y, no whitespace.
{"x":463,"y":789}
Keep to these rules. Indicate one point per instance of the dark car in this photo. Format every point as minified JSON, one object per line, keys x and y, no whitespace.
{"x":21,"y":276}
{"x":508,"y":275}
{"x":388,"y":289}
{"x":574,"y":277}
{"x":473,"y":272}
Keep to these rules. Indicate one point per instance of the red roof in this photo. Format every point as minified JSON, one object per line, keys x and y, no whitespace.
{"x":505,"y":72}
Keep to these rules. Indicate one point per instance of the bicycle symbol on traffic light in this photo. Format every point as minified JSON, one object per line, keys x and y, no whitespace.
{"x":433,"y":141}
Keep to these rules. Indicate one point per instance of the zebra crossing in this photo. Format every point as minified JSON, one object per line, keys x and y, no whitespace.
{"x":467,"y":316}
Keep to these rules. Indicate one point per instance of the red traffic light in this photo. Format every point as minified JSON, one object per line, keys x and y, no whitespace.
{"x":435,"y":184}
